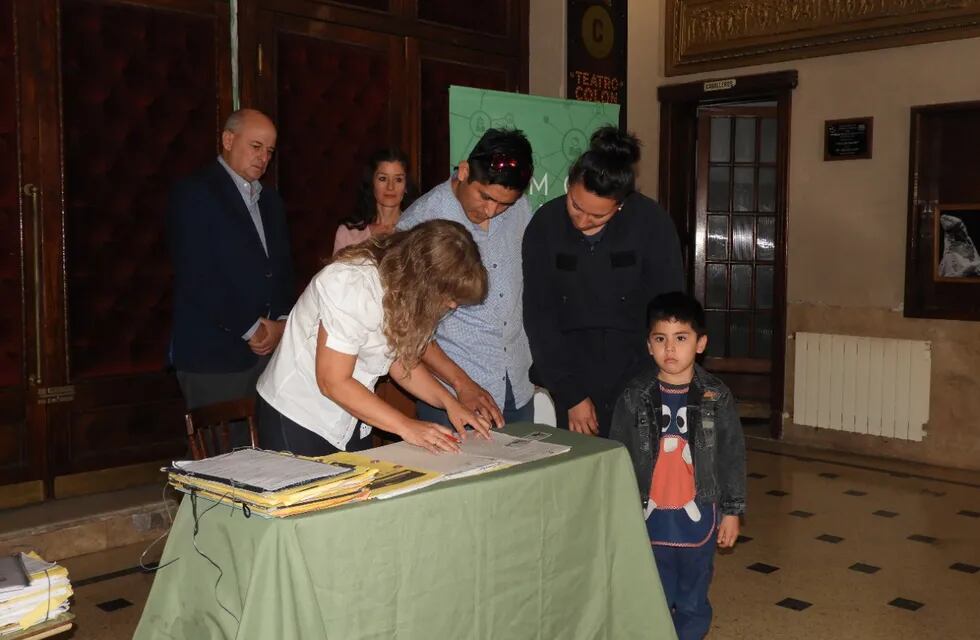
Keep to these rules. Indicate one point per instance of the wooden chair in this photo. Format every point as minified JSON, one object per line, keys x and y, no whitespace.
{"x":217,"y":420}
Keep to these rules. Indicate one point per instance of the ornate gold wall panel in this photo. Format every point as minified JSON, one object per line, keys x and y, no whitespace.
{"x":718,"y":34}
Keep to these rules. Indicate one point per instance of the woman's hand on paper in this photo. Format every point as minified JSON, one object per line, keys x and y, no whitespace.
{"x":431,"y":436}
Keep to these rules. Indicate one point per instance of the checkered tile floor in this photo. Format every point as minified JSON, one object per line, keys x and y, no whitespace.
{"x":837,"y":550}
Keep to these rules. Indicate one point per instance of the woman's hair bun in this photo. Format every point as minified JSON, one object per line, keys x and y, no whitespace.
{"x":608,"y":169}
{"x":616,"y":145}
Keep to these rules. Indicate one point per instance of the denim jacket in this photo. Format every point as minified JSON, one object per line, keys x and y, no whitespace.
{"x":714,"y":435}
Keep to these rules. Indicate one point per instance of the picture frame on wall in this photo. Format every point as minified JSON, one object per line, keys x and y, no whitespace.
{"x":956,"y":246}
{"x":942,"y":252}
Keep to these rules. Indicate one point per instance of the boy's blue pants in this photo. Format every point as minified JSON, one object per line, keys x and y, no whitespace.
{"x":685,"y":573}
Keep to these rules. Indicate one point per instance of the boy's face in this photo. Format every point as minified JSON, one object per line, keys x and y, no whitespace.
{"x":674,"y":346}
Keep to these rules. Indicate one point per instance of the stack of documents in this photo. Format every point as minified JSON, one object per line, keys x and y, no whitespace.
{"x":272,"y":484}
{"x":476,"y":455}
{"x":43,"y":598}
{"x":391,"y":479}
{"x":277,"y":485}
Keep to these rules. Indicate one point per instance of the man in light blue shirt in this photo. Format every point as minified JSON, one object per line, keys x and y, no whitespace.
{"x":481,"y":351}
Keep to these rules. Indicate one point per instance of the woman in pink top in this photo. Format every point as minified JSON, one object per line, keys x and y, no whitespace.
{"x":385,"y":191}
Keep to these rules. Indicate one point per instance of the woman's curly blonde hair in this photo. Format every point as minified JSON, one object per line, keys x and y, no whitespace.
{"x":422,"y":271}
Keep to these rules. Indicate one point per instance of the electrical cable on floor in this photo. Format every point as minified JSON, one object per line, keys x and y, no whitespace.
{"x":142,"y":563}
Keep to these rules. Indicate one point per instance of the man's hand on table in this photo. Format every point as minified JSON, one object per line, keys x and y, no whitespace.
{"x":476,"y":399}
{"x":460,"y":416}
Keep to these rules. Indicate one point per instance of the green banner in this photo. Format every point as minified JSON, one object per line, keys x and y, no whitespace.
{"x":558,"y":130}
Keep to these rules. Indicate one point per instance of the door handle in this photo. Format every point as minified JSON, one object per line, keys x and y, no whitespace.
{"x":33,"y":192}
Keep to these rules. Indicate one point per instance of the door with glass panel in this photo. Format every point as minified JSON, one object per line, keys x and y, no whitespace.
{"x":737,"y":251}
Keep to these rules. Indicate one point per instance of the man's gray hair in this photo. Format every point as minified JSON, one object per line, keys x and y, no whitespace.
{"x":234,"y":121}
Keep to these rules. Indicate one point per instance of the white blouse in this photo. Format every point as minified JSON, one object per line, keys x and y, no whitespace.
{"x":346,"y":298}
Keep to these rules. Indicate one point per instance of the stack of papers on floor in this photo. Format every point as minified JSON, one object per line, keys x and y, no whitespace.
{"x":476,"y":455}
{"x":272,"y":484}
{"x":42,"y":599}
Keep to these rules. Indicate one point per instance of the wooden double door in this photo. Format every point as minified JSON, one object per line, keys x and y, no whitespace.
{"x":103,"y":105}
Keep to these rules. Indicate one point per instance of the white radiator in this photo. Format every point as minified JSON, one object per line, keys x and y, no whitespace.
{"x":874,"y":386}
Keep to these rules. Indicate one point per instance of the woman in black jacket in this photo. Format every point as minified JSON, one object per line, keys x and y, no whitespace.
{"x":593,"y":260}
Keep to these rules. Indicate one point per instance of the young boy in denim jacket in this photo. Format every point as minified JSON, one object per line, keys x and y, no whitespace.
{"x":682,"y":430}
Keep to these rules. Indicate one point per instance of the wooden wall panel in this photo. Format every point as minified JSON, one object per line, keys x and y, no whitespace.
{"x":11,"y":264}
{"x":484,"y":17}
{"x":333,"y":108}
{"x":140,"y":110}
{"x":15,"y":438}
{"x":144,"y":88}
{"x":441,"y":68}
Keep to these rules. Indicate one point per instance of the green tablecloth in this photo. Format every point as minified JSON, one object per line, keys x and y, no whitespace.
{"x":555,"y":549}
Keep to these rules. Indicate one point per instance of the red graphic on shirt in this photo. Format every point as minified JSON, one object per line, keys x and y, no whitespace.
{"x":673,"y":476}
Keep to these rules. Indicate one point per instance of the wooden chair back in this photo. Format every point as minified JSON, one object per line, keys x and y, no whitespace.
{"x":209,"y":427}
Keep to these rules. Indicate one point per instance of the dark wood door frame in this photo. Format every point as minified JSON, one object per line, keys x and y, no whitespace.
{"x":677,"y":189}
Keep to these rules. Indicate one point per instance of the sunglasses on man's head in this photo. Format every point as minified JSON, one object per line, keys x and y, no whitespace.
{"x":501,"y":163}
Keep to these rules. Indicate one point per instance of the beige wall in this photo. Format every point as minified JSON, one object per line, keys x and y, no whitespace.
{"x":846,"y":220}
{"x":546,"y":75}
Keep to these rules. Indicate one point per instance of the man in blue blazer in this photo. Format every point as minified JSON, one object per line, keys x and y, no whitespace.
{"x":233,"y":274}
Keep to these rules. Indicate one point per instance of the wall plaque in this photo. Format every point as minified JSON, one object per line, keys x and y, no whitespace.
{"x":719,"y":85}
{"x":848,"y":139}
{"x":721,"y":34}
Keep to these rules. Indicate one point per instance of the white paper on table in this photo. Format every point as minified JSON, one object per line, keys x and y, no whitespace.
{"x":410,"y":489}
{"x":450,"y":465}
{"x":476,"y":454}
{"x":260,"y":470}
{"x":509,"y":449}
